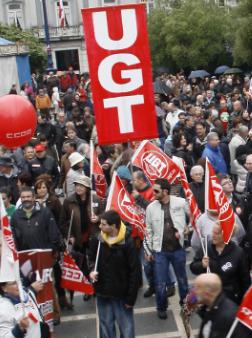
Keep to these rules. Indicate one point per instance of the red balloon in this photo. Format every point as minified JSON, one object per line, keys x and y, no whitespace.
{"x":18,"y":121}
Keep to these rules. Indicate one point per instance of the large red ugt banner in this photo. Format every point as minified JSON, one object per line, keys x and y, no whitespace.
{"x":120,"y":70}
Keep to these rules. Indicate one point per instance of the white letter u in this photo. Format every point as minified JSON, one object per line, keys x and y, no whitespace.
{"x":101,"y":32}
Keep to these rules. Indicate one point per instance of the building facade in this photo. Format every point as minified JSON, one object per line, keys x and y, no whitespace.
{"x":67,"y":44}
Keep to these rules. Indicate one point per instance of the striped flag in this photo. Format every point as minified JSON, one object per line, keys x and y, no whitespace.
{"x":61,"y":14}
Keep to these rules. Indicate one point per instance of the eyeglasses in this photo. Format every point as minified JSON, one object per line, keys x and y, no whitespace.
{"x":157,"y":191}
{"x":229,"y":181}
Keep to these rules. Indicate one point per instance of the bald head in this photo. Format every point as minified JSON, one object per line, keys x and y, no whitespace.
{"x":207,"y":287}
{"x":209,"y":281}
{"x":248,"y":163}
{"x":243,"y":131}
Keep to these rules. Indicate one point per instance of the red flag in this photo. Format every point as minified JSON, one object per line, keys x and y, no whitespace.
{"x":119,"y":61}
{"x":61,"y":14}
{"x":72,"y":277}
{"x":194,"y":209}
{"x":9,"y":266}
{"x":97,"y":174}
{"x":7,"y":231}
{"x":155,"y":163}
{"x":217,"y":200}
{"x":121,"y":201}
{"x":244,"y":313}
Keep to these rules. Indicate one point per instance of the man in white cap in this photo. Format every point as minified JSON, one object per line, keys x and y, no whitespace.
{"x":77,"y":164}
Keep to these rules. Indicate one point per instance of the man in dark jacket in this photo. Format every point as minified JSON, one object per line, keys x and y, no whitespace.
{"x":118,"y":276}
{"x":34,"y":226}
{"x":218,"y":312}
{"x":46,"y":128}
{"x":226,"y":260}
{"x":8,"y":176}
{"x":198,"y":186}
{"x":43,"y":164}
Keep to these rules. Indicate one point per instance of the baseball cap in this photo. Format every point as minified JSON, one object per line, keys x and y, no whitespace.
{"x":39,"y":147}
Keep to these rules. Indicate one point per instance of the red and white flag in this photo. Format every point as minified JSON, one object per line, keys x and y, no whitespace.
{"x":244,"y":313}
{"x":155,"y":163}
{"x":122,"y":202}
{"x":194,"y":209}
{"x":72,"y":277}
{"x":216,"y":199}
{"x":116,"y":39}
{"x":99,"y":183}
{"x":61,"y":14}
{"x":9,"y":270}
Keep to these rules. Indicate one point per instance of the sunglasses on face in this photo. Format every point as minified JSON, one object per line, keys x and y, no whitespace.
{"x":157,"y":191}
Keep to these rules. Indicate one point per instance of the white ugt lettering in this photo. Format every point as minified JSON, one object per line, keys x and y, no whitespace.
{"x":100,"y":24}
{"x":134,"y":75}
{"x":123,"y":105}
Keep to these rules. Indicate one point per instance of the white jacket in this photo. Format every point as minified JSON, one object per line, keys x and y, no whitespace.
{"x":241,"y":173}
{"x":155,"y":222}
{"x":205,"y":224}
{"x":10,"y":315}
{"x":236,"y":141}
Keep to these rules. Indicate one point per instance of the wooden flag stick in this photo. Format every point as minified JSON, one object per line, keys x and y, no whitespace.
{"x":69,"y":230}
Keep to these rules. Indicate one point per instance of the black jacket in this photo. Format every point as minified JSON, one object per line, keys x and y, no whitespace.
{"x":11,"y":182}
{"x":37,"y":232}
{"x":48,"y":130}
{"x":198,"y":147}
{"x":221,"y":315}
{"x":231,"y":266}
{"x":198,"y":189}
{"x":119,"y":268}
{"x":46,"y":165}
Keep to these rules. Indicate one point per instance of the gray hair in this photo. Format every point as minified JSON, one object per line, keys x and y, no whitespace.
{"x":243,"y":129}
{"x":196,"y":167}
{"x":211,"y":135}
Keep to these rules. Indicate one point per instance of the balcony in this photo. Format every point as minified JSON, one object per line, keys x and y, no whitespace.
{"x":58,"y":33}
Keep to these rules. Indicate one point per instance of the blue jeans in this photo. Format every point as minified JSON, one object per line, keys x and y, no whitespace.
{"x":149,"y":273}
{"x":162,"y":262}
{"x":111,"y":311}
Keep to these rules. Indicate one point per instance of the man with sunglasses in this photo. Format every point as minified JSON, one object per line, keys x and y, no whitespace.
{"x":165,"y":225}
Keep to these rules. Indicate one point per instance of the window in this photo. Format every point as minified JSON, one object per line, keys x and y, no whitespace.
{"x":66,"y":58}
{"x":221,"y":3}
{"x":109,"y":2}
{"x":67,"y":12}
{"x":15,"y":15}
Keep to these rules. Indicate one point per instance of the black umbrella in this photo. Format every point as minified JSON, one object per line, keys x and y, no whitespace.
{"x":233,"y":71}
{"x":201,"y":73}
{"x":160,"y":87}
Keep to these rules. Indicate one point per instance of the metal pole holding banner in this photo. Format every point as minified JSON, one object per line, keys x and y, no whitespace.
{"x":47,"y":37}
{"x":232,"y":328}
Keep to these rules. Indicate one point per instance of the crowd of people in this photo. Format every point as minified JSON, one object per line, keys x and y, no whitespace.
{"x":46,"y":188}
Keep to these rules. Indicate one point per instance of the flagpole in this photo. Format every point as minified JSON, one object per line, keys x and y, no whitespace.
{"x":47,"y":37}
{"x":5,"y":244}
{"x":91,"y":176}
{"x":69,"y":230}
{"x":206,"y":254}
{"x":233,"y":327}
{"x":96,"y":308}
